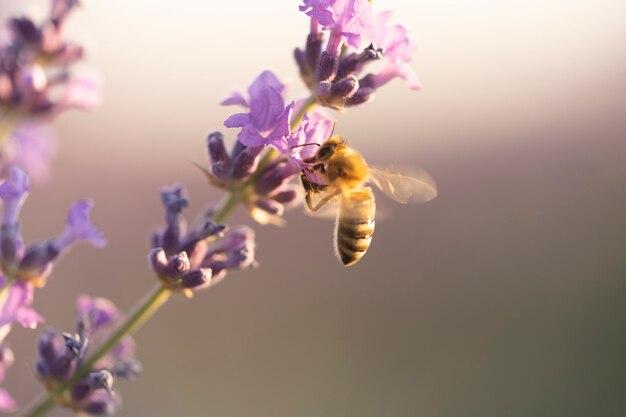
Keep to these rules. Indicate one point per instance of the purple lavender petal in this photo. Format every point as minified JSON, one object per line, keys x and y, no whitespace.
{"x":264,"y":80}
{"x":7,"y":403}
{"x":348,"y":19}
{"x":82,"y":93}
{"x":100,"y":312}
{"x":266,"y":108}
{"x":237,"y":120}
{"x":235,"y":99}
{"x":398,"y":45}
{"x":17,"y":307}
{"x":79,"y":227}
{"x":35,"y":145}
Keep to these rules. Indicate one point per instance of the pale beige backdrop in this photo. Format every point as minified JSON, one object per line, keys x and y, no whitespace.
{"x":506,"y":296}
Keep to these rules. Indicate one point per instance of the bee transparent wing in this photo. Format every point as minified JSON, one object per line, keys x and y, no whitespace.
{"x":403,"y":188}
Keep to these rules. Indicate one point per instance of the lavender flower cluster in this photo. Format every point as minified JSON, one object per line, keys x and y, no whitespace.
{"x":37,"y":82}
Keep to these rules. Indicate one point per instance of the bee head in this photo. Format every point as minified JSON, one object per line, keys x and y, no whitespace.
{"x":328,"y":148}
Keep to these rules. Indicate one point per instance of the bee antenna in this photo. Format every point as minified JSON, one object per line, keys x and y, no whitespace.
{"x":304,"y":144}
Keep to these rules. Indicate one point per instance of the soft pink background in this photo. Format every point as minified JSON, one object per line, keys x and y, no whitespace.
{"x":505,"y":296}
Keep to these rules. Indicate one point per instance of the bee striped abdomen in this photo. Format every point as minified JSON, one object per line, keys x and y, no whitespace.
{"x":355,"y":225}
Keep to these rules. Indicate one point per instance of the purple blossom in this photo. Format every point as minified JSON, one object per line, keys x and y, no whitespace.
{"x":398,"y":46}
{"x":32,"y":146}
{"x":60,"y":355}
{"x":335,"y":75}
{"x":347,"y":20}
{"x":16,"y":308}
{"x":267,"y":122}
{"x":97,"y":313}
{"x":196,"y":263}
{"x":79,"y":227}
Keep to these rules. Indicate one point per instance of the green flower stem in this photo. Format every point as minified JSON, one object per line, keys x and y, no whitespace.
{"x":159,"y":296}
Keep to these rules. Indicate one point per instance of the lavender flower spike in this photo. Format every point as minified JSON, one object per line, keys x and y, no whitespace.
{"x":60,"y":355}
{"x":267,"y":122}
{"x":79,"y":227}
{"x":13,"y":193}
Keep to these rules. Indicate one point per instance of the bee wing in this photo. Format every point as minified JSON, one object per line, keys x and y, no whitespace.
{"x":403,"y":188}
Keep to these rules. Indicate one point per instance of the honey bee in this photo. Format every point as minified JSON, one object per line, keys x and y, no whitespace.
{"x":343,"y":173}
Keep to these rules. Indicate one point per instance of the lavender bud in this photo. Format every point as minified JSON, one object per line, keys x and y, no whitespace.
{"x":102,"y":379}
{"x":207,"y":229}
{"x":271,"y":206}
{"x":25,"y":29}
{"x":344,"y":88}
{"x":10,"y":243}
{"x":75,"y":344}
{"x":245,"y":160}
{"x":313,"y":48}
{"x":158,"y":260}
{"x":177,"y":266}
{"x":220,"y":161}
{"x":362,"y":96}
{"x":50,"y":345}
{"x":63,"y":367}
{"x":327,"y":68}
{"x":301,"y":61}
{"x":196,"y":279}
{"x":287,"y":197}
{"x":101,"y":403}
{"x":275,"y":176}
{"x":128,"y":369}
{"x":353,"y":63}
{"x":174,"y":202}
{"x":37,"y":259}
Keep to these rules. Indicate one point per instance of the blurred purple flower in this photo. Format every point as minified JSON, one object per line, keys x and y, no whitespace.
{"x":398,"y":46}
{"x":16,"y":308}
{"x":60,"y":355}
{"x":267,"y":122}
{"x":98,"y":313}
{"x":79,"y":227}
{"x":31,"y":147}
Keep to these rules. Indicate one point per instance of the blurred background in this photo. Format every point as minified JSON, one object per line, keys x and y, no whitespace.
{"x":505,"y":296}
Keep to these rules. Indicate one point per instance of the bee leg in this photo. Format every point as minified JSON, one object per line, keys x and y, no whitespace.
{"x":323,"y":201}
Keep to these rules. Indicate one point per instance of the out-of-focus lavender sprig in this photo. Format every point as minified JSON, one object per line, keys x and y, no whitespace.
{"x":189,"y":260}
{"x":27,"y":267}
{"x":335,"y":72}
{"x":37,"y":82}
{"x":61,"y":354}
